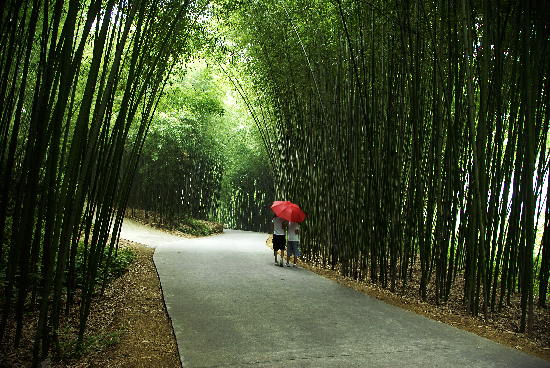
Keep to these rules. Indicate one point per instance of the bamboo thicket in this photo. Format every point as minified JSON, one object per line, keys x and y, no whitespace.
{"x":74,"y":80}
{"x":413,"y":134}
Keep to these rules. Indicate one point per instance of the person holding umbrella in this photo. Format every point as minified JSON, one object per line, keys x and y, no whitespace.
{"x":279,"y":226}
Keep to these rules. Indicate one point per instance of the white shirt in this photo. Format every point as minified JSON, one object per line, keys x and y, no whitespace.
{"x":278,"y":226}
{"x":292,"y":227}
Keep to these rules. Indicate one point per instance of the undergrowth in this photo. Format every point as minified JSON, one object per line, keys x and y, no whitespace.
{"x":99,"y":342}
{"x":120,"y":262}
{"x":194,"y":227}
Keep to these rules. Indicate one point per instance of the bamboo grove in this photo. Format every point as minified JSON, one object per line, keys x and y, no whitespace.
{"x":191,"y":177}
{"x":76,"y":78}
{"x":178,"y":175}
{"x":412,"y":133}
{"x":201,"y":159}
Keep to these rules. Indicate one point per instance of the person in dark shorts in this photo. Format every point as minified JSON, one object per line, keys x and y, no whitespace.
{"x":279,"y":240}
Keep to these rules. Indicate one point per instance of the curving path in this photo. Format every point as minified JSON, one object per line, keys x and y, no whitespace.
{"x":232,"y":307}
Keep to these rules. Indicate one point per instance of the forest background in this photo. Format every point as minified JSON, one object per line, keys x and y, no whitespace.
{"x":414,"y":134}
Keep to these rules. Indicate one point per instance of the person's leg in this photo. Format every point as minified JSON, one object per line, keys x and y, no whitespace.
{"x":296,"y":250}
{"x":276,"y":247}
{"x":288,"y":251}
{"x":291,"y":250}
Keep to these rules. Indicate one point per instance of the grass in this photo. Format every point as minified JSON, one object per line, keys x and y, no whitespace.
{"x":99,"y":342}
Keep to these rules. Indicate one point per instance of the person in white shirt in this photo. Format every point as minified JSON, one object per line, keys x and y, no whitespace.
{"x":293,"y":242}
{"x":279,"y":226}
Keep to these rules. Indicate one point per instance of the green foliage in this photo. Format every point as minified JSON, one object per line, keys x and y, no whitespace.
{"x":118,"y":265}
{"x":202,"y":152}
{"x":369,"y":114}
{"x":247,"y":185}
{"x":181,"y":162}
{"x":193,"y":93}
{"x":121,"y":263}
{"x":62,"y":147}
{"x":194,"y":227}
{"x":99,"y":342}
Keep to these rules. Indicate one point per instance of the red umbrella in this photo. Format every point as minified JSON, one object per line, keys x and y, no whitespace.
{"x":288,"y":211}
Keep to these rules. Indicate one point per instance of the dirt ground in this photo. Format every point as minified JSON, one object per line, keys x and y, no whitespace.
{"x":130,"y":320}
{"x":133,"y":314}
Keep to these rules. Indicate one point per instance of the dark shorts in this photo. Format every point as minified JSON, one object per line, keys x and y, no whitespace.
{"x":278,"y":242}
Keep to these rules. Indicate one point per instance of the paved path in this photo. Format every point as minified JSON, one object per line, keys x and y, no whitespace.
{"x":232,"y":307}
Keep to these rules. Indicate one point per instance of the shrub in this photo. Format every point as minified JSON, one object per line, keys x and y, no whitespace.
{"x":194,"y":227}
{"x":119,"y":264}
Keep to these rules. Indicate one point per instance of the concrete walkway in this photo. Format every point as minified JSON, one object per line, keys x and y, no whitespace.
{"x":232,"y":307}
